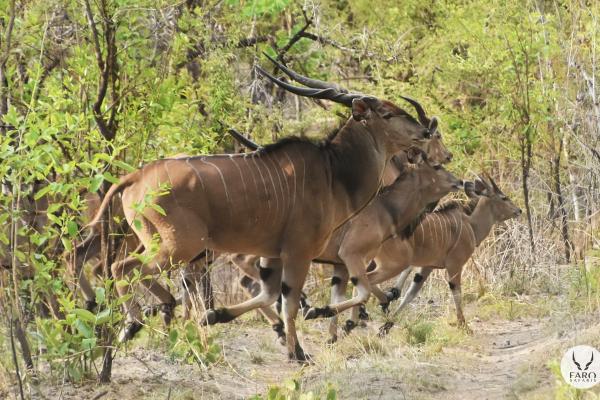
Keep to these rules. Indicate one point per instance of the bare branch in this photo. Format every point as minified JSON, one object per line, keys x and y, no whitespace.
{"x":297,"y":36}
{"x":92,"y":25}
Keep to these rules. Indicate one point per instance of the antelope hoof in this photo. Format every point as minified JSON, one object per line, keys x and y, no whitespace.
{"x":384,"y":307}
{"x":385,"y":328}
{"x":220,"y":315}
{"x":465,"y":327}
{"x":318,"y":312}
{"x":332,"y":340}
{"x":90,"y":305}
{"x":151,"y":311}
{"x":300,"y":356}
{"x":166,"y":312}
{"x":362,"y":313}
{"x":392,"y":294}
{"x":349,"y":326}
{"x":278,"y":328}
{"x":130,"y":331}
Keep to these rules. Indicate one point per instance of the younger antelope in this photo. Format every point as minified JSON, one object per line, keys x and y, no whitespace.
{"x":445,"y":238}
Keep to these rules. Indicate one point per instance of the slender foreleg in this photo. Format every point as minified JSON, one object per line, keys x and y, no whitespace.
{"x":252,"y":289}
{"x":454,"y":282}
{"x":358,"y":277}
{"x":294,"y":275}
{"x":339,"y":283}
{"x":270,"y":280}
{"x":415,"y":287}
{"x":396,"y":290}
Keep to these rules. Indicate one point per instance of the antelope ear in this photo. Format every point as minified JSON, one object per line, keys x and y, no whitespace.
{"x":414,"y":155}
{"x":361,"y":109}
{"x":481,"y":188}
{"x":433,"y":125}
{"x":470,"y":189}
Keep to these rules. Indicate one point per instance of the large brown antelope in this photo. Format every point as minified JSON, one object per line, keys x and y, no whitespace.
{"x":445,"y":238}
{"x":282,"y":202}
{"x":395,"y":168}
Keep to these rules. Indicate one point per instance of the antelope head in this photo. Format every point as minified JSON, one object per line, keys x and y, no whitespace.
{"x":486,"y":191}
{"x":434,"y":180}
{"x":384,"y":120}
{"x":437,"y":152}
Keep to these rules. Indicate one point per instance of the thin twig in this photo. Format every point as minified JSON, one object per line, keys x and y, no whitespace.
{"x":14,"y":355}
{"x":99,"y":395}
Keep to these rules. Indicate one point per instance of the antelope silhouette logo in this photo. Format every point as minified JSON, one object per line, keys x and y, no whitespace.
{"x":586,"y":365}
{"x":580,"y":366}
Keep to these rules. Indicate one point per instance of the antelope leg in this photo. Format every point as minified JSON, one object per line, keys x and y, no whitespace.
{"x":252,"y":288}
{"x":339,"y":282}
{"x":190,"y":281}
{"x":270,"y":275}
{"x":86,"y":250}
{"x":294,"y":275}
{"x":131,"y":308}
{"x":396,"y":290}
{"x":455,"y":288}
{"x":356,"y":269}
{"x":415,"y":287}
{"x":248,"y":266}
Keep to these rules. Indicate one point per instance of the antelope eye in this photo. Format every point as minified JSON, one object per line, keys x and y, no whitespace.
{"x":437,"y":167}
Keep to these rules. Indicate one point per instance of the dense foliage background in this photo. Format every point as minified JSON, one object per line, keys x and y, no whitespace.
{"x":89,"y":89}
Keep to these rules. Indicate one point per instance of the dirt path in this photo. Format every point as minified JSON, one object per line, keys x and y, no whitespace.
{"x":498,"y":357}
{"x":501,"y":360}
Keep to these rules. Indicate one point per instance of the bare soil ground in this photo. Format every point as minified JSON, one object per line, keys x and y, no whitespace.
{"x":503,"y":359}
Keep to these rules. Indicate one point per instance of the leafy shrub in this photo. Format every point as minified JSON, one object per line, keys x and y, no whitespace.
{"x":191,"y":345}
{"x":291,"y":390}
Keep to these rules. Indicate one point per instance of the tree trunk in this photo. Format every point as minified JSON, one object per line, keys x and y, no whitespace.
{"x":525,"y":167}
{"x":560,"y":204}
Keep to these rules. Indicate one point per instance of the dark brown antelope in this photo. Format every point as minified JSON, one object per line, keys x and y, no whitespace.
{"x":445,"y":238}
{"x":282,"y":202}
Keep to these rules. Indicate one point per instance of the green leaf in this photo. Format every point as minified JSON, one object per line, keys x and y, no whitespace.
{"x":42,"y":192}
{"x":88,"y":344}
{"x":85,"y":330}
{"x":84,"y":314}
{"x":103,"y":316}
{"x":173,"y":336}
{"x":72,"y":228}
{"x":110,"y":177}
{"x":95,"y":183}
{"x":100,"y":295}
{"x":66,"y":243}
{"x":124,"y":165}
{"x":158,"y":209}
{"x":122,"y":299}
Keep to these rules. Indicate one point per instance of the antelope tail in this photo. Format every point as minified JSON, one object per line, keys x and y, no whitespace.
{"x":124,"y":182}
